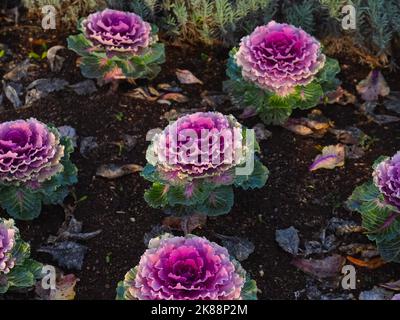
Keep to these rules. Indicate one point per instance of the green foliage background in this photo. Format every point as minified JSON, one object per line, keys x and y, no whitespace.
{"x":225,"y":21}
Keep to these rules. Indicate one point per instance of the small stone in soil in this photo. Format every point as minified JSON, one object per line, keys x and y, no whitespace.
{"x":261,"y":133}
{"x":87,"y":145}
{"x":376,"y":294}
{"x":288,"y":239}
{"x":241,"y":248}
{"x":129,"y":142}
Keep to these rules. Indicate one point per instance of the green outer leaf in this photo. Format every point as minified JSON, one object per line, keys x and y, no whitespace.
{"x":33,"y":267}
{"x":20,"y":203}
{"x":219,"y":202}
{"x":308,"y":96}
{"x":272,"y":108}
{"x":249,"y":290}
{"x":257,"y":179}
{"x":176,"y":195}
{"x":94,"y":67}
{"x":122,"y":288}
{"x":378,"y":161}
{"x":155,"y":54}
{"x":149,"y":172}
{"x":367,"y":200}
{"x":79,"y":44}
{"x":329,"y":71}
{"x":156,"y":196}
{"x":276,"y":110}
{"x":389,"y":249}
{"x":4,"y":285}
{"x":20,"y":277}
{"x":21,"y":251}
{"x":96,"y":64}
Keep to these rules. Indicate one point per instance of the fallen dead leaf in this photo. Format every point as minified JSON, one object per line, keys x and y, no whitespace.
{"x":186,"y":77}
{"x":177,"y":97}
{"x":113,"y":171}
{"x":186,"y":224}
{"x":65,"y":288}
{"x":331,"y":157}
{"x":373,"y":86}
{"x":328,"y":267}
{"x":374,"y":263}
{"x":367,"y":251}
{"x":394,"y":286}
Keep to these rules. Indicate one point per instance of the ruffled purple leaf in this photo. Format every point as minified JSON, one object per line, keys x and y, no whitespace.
{"x":186,"y":268}
{"x":387,"y":179}
{"x":118,"y":31}
{"x":278,"y":57}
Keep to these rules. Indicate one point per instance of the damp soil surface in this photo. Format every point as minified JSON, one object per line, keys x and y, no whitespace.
{"x":293,"y":196}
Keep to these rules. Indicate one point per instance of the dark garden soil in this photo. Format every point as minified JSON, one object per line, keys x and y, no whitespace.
{"x":293,"y":196}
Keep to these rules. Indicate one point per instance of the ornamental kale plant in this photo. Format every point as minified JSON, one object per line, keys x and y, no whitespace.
{"x":16,"y":269}
{"x":35,"y":167}
{"x":278,"y":68}
{"x":378,"y":201}
{"x":117,"y":45}
{"x":186,"y":268}
{"x":195,"y":160}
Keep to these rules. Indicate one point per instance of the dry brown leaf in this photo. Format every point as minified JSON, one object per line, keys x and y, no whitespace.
{"x":186,"y":77}
{"x":374,"y":263}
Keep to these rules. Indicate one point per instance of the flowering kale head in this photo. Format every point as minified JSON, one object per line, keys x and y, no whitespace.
{"x":378,"y":202}
{"x":118,"y":31}
{"x":185,"y":268}
{"x":279,"y":68}
{"x":35,"y":167}
{"x":30,"y":152}
{"x":387,"y":179}
{"x":7,"y":242}
{"x":17,"y":270}
{"x":278,"y":57}
{"x":117,"y":45}
{"x":198,"y":145}
{"x":194,"y":162}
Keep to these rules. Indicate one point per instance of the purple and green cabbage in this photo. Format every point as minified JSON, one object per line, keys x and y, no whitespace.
{"x":117,"y":45}
{"x":378,"y":202}
{"x":35,"y":167}
{"x":17,"y":270}
{"x":278,"y":68}
{"x":202,"y":183}
{"x":186,"y":268}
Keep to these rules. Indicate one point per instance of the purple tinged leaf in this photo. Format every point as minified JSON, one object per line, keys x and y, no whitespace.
{"x":373,"y":86}
{"x":186,"y":77}
{"x":189,"y":190}
{"x":394,"y":286}
{"x":331,"y":157}
{"x":388,"y":222}
{"x":248,"y":112}
{"x":261,"y":133}
{"x":328,"y":267}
